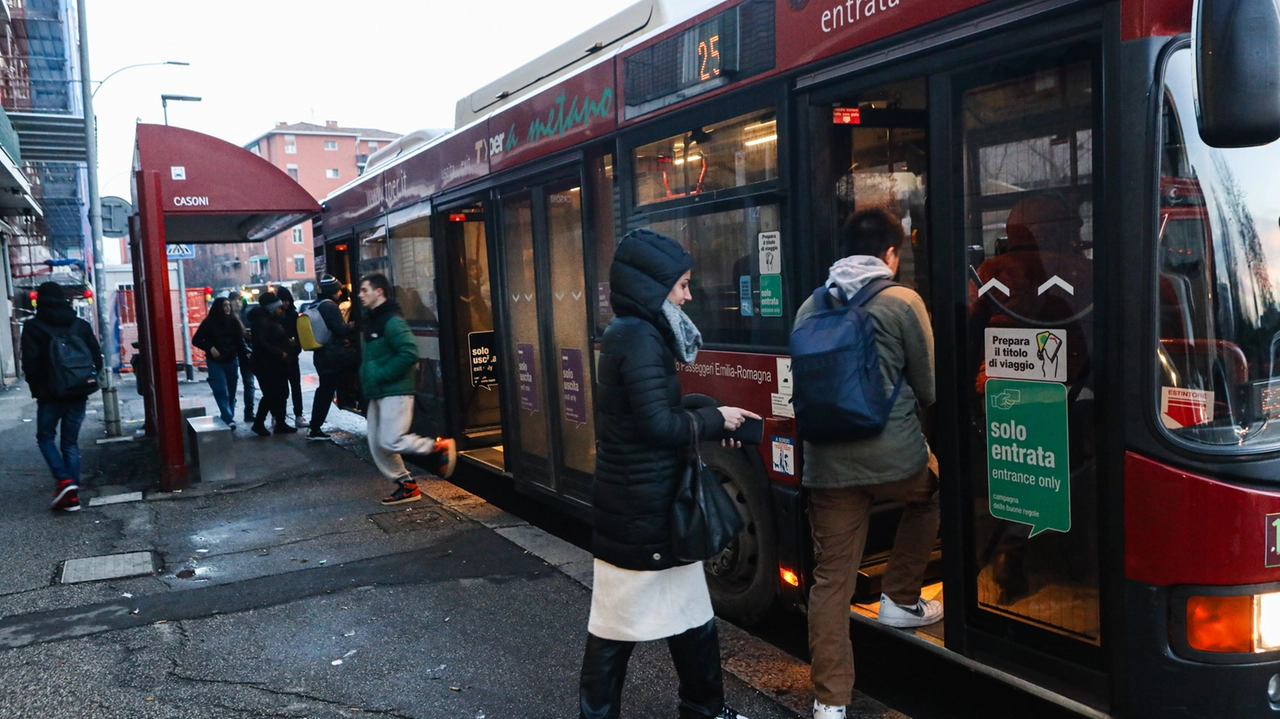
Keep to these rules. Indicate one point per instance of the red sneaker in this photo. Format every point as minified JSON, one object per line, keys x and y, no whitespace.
{"x":444,"y":459}
{"x":405,"y":492}
{"x":67,"y":497}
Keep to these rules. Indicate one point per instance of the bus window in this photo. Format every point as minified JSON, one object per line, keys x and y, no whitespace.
{"x":736,"y":300}
{"x":413,"y":264}
{"x":517,"y":238}
{"x":600,"y":175}
{"x":733,"y":153}
{"x":413,"y":268}
{"x":879,"y":158}
{"x":1028,"y":199}
{"x":373,"y":250}
{"x":1219,"y":314}
{"x":569,"y":325}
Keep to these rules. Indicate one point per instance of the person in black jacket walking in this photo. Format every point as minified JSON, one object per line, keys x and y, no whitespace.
{"x":221,"y":336}
{"x":289,"y":320}
{"x":54,"y":312}
{"x":271,"y":355}
{"x":246,"y":355}
{"x":338,"y":358}
{"x":640,"y":592}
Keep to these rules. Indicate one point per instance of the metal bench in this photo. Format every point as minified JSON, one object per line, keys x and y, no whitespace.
{"x":209,"y":445}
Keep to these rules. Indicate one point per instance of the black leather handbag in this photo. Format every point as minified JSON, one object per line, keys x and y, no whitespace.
{"x":704,"y":519}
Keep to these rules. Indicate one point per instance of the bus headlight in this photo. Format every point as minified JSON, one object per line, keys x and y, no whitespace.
{"x":1234,"y":624}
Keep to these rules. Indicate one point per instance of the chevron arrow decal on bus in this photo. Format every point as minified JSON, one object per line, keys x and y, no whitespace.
{"x":1056,"y":280}
{"x":994,"y":284}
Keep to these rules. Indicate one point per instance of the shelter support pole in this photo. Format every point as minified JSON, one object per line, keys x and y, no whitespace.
{"x":106,"y":330}
{"x":161,"y":354}
{"x":146,"y":382}
{"x":187,"y":362}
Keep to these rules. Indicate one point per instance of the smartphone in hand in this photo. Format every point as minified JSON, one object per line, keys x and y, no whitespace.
{"x":751,"y":431}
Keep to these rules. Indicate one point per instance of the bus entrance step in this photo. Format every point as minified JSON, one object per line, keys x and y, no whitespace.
{"x":872,"y":572}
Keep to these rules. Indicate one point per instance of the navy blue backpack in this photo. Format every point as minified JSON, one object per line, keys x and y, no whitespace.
{"x":838,"y":390}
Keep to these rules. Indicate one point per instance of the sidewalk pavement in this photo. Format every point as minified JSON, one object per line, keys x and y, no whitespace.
{"x":291,"y":592}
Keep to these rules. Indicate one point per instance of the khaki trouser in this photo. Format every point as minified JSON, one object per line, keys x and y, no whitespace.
{"x":389,"y":419}
{"x":839,"y":520}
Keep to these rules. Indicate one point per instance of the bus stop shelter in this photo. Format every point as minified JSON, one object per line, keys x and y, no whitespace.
{"x":192,"y":188}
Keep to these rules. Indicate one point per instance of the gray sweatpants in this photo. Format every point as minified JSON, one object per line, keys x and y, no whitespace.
{"x":389,"y":419}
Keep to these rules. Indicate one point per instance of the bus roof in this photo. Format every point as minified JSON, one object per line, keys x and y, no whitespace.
{"x":642,"y":18}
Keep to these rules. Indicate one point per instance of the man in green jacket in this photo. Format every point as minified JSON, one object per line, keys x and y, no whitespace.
{"x":388,"y":377}
{"x":844,"y":478}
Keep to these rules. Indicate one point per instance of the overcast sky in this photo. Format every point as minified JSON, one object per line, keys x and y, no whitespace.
{"x":397,"y":65}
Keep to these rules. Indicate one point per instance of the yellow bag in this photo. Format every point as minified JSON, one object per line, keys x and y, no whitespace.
{"x":306,"y":337}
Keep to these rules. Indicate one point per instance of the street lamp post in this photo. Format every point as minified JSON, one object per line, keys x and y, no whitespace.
{"x":165,"y":99}
{"x":110,"y":394}
{"x":113,"y":73}
{"x":187,"y":362}
{"x":106,"y":333}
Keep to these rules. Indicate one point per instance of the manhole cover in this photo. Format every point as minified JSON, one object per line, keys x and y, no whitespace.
{"x":111,"y":566}
{"x":408,"y":520}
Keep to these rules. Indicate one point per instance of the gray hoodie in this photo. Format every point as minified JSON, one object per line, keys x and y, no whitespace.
{"x":904,"y":339}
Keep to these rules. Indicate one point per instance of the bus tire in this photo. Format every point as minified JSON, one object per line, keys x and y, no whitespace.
{"x":743,"y":579}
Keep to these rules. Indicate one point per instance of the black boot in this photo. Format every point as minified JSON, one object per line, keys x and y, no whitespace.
{"x":696,"y":654}
{"x":604,"y":670}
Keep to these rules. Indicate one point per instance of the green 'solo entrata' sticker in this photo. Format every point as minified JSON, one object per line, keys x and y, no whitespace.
{"x":1028,"y":472}
{"x":770,"y":295}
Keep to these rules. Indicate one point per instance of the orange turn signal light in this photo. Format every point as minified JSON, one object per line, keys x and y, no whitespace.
{"x":1220,"y":624}
{"x":789,"y":577}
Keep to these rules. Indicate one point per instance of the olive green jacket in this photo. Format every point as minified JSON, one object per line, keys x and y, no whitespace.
{"x":904,"y":339}
{"x":389,"y":355}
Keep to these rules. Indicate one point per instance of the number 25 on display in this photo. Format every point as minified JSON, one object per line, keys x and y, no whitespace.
{"x":709,"y":55}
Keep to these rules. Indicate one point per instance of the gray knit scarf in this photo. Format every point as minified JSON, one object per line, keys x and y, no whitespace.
{"x":688,"y":338}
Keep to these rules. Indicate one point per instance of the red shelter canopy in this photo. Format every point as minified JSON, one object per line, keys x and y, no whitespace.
{"x":192,"y":188}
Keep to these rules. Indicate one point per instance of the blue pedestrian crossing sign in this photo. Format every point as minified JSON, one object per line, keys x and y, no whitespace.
{"x":180,"y":252}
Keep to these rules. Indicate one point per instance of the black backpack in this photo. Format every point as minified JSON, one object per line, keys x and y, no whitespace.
{"x":72,"y":370}
{"x":838,"y":390}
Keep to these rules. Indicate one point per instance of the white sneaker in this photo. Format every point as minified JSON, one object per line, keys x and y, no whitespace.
{"x":924,"y":613}
{"x":826,"y":711}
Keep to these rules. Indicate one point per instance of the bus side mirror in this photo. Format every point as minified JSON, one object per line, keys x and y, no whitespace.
{"x":1237,"y":68}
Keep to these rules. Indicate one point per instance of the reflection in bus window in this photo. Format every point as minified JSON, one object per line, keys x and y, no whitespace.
{"x":413,"y":265}
{"x":373,"y":250}
{"x":1028,"y":167}
{"x":733,"y":153}
{"x":522,"y":292}
{"x":880,"y":158}
{"x":600,"y":174}
{"x":735,"y":300}
{"x":1219,"y":318}
{"x":569,"y":321}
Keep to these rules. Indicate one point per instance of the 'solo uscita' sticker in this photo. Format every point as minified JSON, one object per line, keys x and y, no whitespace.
{"x":1028,"y":466}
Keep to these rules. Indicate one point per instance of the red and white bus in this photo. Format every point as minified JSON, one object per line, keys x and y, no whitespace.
{"x":1092,"y":213}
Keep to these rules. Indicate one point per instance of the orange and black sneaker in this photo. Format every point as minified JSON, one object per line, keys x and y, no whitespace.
{"x":66,"y":498}
{"x":406,"y":492}
{"x":444,"y":460}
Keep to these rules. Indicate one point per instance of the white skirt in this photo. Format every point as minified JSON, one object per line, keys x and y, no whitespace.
{"x":632,"y":606}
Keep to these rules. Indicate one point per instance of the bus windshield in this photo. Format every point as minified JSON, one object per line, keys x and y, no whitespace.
{"x":1218,"y":283}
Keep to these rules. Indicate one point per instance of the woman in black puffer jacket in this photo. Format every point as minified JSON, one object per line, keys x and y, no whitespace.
{"x":640,"y":592}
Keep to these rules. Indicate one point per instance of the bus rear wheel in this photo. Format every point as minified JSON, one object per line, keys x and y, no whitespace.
{"x":743,"y":579}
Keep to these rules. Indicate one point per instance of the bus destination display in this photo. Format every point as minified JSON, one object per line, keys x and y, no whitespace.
{"x":734,"y":44}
